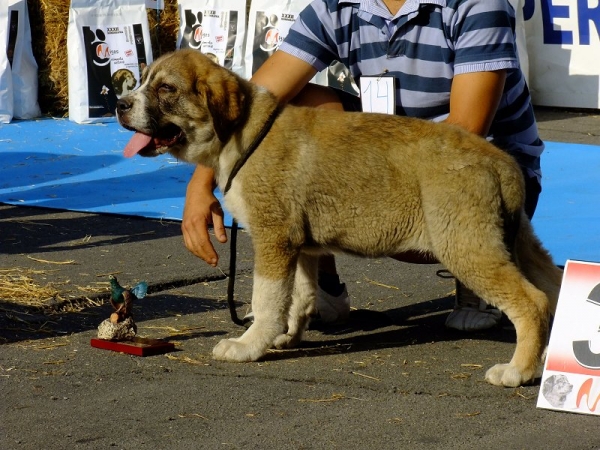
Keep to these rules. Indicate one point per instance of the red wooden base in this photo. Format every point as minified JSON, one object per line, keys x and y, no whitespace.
{"x":137,"y":346}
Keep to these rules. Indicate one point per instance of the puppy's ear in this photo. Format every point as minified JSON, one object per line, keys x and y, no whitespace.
{"x":226,"y":97}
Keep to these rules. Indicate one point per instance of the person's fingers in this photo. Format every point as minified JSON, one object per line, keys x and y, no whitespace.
{"x":197,"y":239}
{"x":219,"y":224}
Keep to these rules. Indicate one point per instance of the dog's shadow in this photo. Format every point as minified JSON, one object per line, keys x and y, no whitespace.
{"x":414,"y":324}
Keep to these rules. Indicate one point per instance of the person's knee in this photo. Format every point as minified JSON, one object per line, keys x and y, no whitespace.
{"x":533,"y":188}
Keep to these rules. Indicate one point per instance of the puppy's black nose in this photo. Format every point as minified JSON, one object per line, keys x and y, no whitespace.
{"x":123,"y":105}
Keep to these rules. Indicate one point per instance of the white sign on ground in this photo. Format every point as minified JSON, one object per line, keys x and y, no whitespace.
{"x":571,"y":378}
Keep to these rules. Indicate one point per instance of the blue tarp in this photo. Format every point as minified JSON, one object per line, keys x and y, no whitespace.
{"x":55,"y":163}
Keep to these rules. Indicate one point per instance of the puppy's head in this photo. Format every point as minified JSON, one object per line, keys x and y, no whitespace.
{"x":186,"y":103}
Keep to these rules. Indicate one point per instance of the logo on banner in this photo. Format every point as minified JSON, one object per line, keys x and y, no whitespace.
{"x":555,"y":13}
{"x":271,"y":37}
{"x":99,"y":49}
{"x":192,"y":33}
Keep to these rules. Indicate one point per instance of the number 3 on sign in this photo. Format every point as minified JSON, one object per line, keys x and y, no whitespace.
{"x":378,"y":95}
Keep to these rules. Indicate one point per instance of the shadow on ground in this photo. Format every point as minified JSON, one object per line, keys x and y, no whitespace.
{"x":414,"y":324}
{"x":19,"y":323}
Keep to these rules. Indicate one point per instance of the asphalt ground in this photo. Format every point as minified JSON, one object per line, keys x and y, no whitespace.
{"x":393,"y":377}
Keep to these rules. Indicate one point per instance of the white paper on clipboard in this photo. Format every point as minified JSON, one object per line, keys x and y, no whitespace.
{"x":378,"y":94}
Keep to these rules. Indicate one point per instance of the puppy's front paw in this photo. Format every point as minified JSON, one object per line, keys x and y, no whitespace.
{"x":507,"y":375}
{"x":234,"y":350}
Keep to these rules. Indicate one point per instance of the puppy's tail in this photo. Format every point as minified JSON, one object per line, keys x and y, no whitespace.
{"x":536,"y":263}
{"x":530,"y":255}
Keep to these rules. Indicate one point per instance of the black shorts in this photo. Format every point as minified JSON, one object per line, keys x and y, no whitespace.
{"x":533,"y":188}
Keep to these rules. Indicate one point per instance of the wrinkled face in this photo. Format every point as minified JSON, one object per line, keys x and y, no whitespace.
{"x":185,"y":103}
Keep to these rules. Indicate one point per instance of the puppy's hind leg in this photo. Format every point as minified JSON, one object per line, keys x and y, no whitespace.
{"x":536,"y":263}
{"x":271,"y":298}
{"x":483,"y":264}
{"x":303,"y":301}
{"x":527,"y":308}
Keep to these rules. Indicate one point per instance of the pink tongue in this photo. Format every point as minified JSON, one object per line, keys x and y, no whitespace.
{"x":136,"y":143}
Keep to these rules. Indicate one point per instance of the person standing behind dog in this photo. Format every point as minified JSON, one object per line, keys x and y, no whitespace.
{"x":453,"y":61}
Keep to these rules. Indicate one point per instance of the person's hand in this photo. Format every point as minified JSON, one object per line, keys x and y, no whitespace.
{"x":201,"y":210}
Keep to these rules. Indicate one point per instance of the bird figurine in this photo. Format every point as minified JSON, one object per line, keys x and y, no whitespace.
{"x":122,"y":299}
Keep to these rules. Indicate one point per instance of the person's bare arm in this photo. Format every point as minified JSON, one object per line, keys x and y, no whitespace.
{"x":200,"y":211}
{"x":285,"y":76}
{"x":474,"y":100}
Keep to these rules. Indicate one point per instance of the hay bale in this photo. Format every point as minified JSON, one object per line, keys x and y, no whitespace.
{"x":49,"y":20}
{"x":164,"y":26}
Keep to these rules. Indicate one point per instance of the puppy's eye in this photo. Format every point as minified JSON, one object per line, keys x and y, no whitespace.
{"x":166,"y":88}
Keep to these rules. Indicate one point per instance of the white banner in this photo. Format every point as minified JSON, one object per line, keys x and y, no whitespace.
{"x":563,"y":42}
{"x":215,"y":28}
{"x":268,"y":24}
{"x":109,"y":45}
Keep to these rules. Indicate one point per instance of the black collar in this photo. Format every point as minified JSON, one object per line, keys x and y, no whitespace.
{"x":253,"y":146}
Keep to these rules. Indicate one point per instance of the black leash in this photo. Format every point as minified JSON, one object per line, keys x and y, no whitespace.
{"x":234,"y":225}
{"x":231,"y":282}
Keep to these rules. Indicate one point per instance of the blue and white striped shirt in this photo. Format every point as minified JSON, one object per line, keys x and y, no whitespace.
{"x":423,"y":46}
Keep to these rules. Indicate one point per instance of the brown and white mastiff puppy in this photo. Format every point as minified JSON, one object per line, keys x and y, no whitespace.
{"x":305,"y":181}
